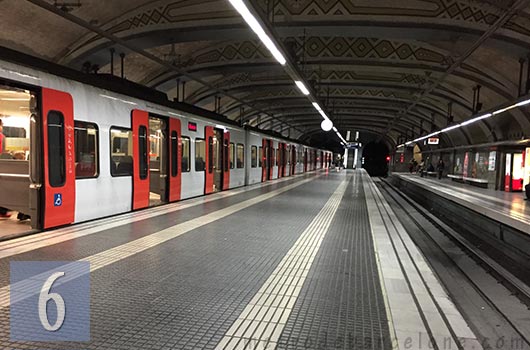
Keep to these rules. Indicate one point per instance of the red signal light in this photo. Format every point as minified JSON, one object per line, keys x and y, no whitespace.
{"x":388,"y":158}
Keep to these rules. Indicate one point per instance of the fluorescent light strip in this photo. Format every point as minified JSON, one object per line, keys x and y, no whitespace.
{"x":323,"y":115}
{"x":476,"y":119}
{"x":522,"y":103}
{"x":302,"y":87}
{"x":433,"y":134}
{"x":467,"y":122}
{"x":503,"y":110}
{"x":450,"y":128}
{"x":243,"y":10}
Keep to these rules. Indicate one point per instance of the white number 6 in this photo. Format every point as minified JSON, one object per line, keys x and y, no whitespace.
{"x":44,"y":297}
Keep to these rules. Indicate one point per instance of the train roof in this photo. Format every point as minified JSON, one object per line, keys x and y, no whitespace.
{"x":126,"y":87}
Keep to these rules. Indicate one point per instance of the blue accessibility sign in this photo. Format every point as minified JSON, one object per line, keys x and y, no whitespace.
{"x":57,"y":200}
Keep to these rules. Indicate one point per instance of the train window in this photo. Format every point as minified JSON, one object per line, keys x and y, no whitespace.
{"x":174,"y":153}
{"x":240,"y":155}
{"x":210,"y":155}
{"x":232,"y":155}
{"x":260,"y":157}
{"x":200,"y":154}
{"x":86,"y":140}
{"x":254,"y":156}
{"x":121,"y":160}
{"x":16,"y":121}
{"x":142,"y":152}
{"x":185,"y":154}
{"x":226,"y":155}
{"x":56,"y":151}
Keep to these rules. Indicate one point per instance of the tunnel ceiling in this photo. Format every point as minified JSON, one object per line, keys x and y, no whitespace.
{"x":386,"y":68}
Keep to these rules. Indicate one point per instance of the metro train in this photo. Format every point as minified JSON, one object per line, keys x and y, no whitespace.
{"x":77,"y":151}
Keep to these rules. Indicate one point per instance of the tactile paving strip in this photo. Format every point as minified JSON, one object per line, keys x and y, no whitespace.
{"x":121,"y":229}
{"x":341,"y":305}
{"x":260,"y":324}
{"x":186,"y":293}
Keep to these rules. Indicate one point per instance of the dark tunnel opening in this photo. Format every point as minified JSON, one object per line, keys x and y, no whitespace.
{"x":375,"y":159}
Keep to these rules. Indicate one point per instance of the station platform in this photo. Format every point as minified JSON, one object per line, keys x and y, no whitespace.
{"x":318,"y":261}
{"x":509,"y":208}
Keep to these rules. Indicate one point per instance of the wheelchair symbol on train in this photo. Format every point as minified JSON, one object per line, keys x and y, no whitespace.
{"x":57,"y":200}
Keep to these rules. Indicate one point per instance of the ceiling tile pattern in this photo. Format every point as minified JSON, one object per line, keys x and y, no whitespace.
{"x":368,"y":61}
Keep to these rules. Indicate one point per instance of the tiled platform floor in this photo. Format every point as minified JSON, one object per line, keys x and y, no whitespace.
{"x":291,"y":265}
{"x":510,"y":208}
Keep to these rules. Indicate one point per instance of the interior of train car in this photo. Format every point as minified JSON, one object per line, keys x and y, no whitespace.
{"x":158,"y":159}
{"x":217,"y":159}
{"x":15,"y":115}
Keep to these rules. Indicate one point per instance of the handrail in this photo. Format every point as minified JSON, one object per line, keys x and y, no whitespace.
{"x":14,"y":175}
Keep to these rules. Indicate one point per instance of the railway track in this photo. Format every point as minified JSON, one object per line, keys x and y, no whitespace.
{"x":495,"y":302}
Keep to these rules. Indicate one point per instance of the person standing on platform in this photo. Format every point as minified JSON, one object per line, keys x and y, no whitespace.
{"x":440,"y":168}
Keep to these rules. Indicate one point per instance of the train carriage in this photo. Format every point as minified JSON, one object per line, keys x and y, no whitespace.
{"x":85,"y":152}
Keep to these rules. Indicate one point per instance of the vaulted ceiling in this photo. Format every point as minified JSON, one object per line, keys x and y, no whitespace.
{"x":387,"y":68}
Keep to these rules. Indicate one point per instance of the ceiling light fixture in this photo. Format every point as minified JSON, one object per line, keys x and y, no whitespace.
{"x":449,"y":128}
{"x":255,"y":25}
{"x":243,"y":10}
{"x":470,"y":121}
{"x":302,"y":87}
{"x":522,"y":103}
{"x":473,"y":120}
{"x":326,"y":125}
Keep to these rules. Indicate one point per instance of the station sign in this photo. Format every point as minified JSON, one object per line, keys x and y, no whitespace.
{"x":353,"y":145}
{"x":433,"y":140}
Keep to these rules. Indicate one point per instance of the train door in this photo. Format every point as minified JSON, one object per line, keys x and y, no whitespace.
{"x":217,"y":160}
{"x":175,"y":160}
{"x":141,"y":182}
{"x":284,"y":158}
{"x":280,"y":160}
{"x":286,"y":162}
{"x":514,"y":170}
{"x":59,"y":158}
{"x":158,"y":160}
{"x":264,"y":160}
{"x":226,"y":159}
{"x":271,"y":157}
{"x":306,"y":160}
{"x":293,"y":159}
